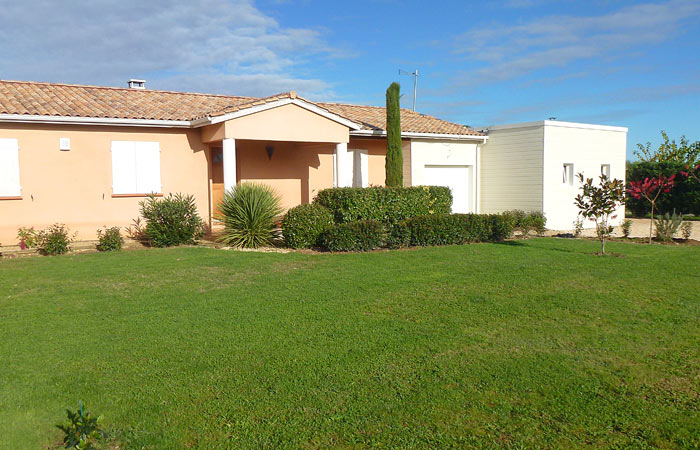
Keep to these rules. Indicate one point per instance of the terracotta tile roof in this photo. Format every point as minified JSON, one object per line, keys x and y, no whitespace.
{"x":250,"y":103}
{"x":374,"y":118}
{"x":68,"y":100}
{"x":47,"y":99}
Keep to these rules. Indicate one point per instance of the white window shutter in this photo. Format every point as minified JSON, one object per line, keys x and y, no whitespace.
{"x":9,"y":168}
{"x":123,"y":168}
{"x":148,"y":167}
{"x":360,"y":168}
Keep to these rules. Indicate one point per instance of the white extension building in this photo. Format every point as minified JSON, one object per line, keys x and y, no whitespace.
{"x":529,"y":166}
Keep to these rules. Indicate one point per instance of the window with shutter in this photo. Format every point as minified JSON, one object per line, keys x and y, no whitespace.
{"x":135,"y":167}
{"x":9,"y":168}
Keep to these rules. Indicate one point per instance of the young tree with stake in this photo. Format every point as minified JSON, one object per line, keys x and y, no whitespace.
{"x":599,"y":203}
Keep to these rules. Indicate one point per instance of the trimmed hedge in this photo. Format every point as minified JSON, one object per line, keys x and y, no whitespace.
{"x":384,"y":204}
{"x":684,"y":197}
{"x":446,"y":229}
{"x":363,"y":235}
{"x":304,"y":225}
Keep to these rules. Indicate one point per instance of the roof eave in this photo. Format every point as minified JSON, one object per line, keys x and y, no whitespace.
{"x":81,"y":120}
{"x":409,"y":134}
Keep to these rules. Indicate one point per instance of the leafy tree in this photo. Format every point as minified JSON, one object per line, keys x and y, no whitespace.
{"x":692,"y":173}
{"x":394,"y":158}
{"x":651,"y":189}
{"x":599,"y":203}
{"x":684,"y":197}
{"x":669,"y":150}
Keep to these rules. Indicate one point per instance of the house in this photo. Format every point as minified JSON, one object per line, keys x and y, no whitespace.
{"x":86,"y":155}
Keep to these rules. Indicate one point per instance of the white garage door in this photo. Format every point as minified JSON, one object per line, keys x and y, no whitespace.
{"x":458,"y":179}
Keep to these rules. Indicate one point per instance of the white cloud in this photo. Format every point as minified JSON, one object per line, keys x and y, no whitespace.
{"x":505,"y":52}
{"x":207,"y":45}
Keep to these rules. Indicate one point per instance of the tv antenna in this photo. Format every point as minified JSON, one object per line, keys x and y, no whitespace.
{"x":415,"y":84}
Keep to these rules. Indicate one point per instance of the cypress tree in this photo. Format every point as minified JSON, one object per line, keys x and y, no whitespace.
{"x":394,"y":157}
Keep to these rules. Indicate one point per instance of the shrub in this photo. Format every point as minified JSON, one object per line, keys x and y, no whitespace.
{"x":304,"y":225}
{"x":445,"y":229}
{"x":384,"y":204}
{"x":110,"y":239}
{"x":171,"y":220}
{"x":250,"y":212}
{"x":686,"y":230}
{"x":578,"y":227}
{"x":398,"y":235}
{"x":626,"y":228}
{"x":363,"y":235}
{"x":82,"y":430}
{"x":667,"y":226}
{"x":27,"y":237}
{"x":527,"y":221}
{"x":501,"y":227}
{"x":54,"y":240}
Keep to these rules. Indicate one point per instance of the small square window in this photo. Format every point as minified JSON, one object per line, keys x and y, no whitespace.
{"x":605,"y":170}
{"x":568,"y":174}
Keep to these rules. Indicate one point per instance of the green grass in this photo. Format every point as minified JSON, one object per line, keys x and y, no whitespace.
{"x":535,"y":343}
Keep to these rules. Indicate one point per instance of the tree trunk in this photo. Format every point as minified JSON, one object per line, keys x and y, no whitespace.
{"x":602,"y":244}
{"x":651,"y":223}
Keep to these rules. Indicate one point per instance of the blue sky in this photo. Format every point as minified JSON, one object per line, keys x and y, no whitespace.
{"x":634,"y":64}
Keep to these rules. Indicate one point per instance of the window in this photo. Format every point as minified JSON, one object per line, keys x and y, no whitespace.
{"x":568,"y":174}
{"x":9,"y":168}
{"x":360,"y":167}
{"x":135,"y":167}
{"x":605,"y":170}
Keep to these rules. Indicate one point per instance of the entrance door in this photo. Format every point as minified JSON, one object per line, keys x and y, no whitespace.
{"x":458,"y":179}
{"x":217,"y":178}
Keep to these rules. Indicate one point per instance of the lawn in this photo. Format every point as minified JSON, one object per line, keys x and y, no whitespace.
{"x":535,"y":343}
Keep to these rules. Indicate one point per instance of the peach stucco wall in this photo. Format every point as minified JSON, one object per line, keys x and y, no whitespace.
{"x":75,"y":187}
{"x":284,"y":123}
{"x":297,"y":171}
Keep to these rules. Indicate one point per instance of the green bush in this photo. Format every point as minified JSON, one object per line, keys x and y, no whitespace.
{"x":83,"y":430}
{"x":527,"y":221}
{"x":445,"y":229}
{"x":171,"y":220}
{"x":667,"y":226}
{"x":384,"y":204}
{"x":250,"y":212}
{"x":398,"y":235}
{"x":626,"y":228}
{"x":684,"y":197}
{"x":362,"y":235}
{"x":54,"y":240}
{"x":303,"y":226}
{"x":27,"y":237}
{"x":110,"y":239}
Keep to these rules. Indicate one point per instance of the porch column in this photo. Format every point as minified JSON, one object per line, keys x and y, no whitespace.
{"x":343,"y":166}
{"x":229,"y":153}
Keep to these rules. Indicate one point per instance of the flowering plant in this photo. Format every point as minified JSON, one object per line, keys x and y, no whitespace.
{"x":651,"y":189}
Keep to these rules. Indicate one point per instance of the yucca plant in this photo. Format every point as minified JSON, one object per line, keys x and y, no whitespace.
{"x":667,"y":226}
{"x":249,"y":212}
